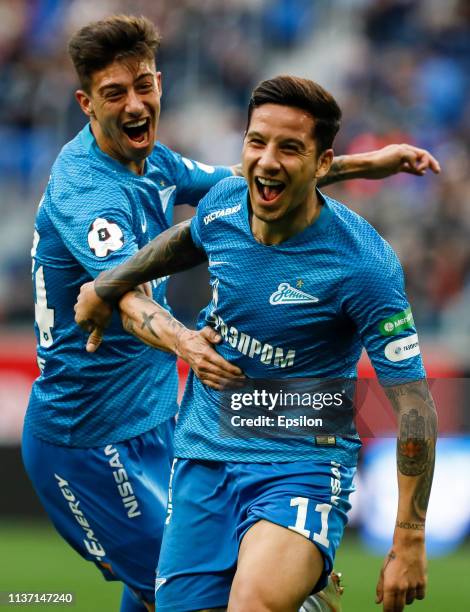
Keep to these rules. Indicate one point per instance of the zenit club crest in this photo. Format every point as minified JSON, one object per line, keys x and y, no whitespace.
{"x":286,"y":294}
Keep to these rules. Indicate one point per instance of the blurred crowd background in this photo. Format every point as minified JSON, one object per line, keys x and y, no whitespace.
{"x":399,"y":68}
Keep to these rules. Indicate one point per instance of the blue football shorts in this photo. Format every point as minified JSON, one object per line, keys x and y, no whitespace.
{"x":109,"y":503}
{"x":211,"y":505}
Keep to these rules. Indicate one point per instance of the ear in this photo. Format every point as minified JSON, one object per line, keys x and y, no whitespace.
{"x":324,"y":163}
{"x":85,"y":102}
{"x":158,"y":76}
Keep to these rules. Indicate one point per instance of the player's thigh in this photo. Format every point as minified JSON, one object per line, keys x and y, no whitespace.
{"x":276,"y":571}
{"x":199,"y":551}
{"x":109,"y":503}
{"x":306,"y":499}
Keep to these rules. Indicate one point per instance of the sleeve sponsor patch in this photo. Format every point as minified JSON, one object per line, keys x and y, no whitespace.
{"x":403,"y":348}
{"x":397,"y":323}
{"x":104,"y":237}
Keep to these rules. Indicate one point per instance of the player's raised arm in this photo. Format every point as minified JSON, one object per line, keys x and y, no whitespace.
{"x":381,"y":163}
{"x":403,"y":575}
{"x":378,"y":164}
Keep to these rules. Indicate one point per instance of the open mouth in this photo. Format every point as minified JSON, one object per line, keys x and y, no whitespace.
{"x":269,"y":189}
{"x":137,"y":131}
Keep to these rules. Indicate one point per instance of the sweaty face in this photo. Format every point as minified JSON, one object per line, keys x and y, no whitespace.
{"x":124,"y":106}
{"x":279,"y":161}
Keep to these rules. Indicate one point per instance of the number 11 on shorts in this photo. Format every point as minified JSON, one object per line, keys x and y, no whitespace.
{"x":299,"y":527}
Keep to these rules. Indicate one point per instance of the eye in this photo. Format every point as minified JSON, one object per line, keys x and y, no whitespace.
{"x":113,"y":95}
{"x":256,"y":142}
{"x":290,"y":148}
{"x":146,"y":86}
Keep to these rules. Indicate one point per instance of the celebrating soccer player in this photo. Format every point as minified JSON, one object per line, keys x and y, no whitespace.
{"x":300,"y":284}
{"x":97,"y":442}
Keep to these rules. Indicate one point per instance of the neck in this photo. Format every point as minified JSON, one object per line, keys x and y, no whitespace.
{"x":137,"y":167}
{"x":301,"y":217}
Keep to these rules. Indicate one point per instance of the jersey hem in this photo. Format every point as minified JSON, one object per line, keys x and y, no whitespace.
{"x":104,"y":441}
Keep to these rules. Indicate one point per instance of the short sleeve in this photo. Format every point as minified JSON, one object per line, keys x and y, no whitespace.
{"x":375,"y":300}
{"x":195,"y":233}
{"x":96,"y":226}
{"x":194,"y":179}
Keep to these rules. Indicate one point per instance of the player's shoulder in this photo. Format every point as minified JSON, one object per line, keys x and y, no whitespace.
{"x":362,"y":245}
{"x":167,"y":161}
{"x":229,"y":190}
{"x":222,"y":205}
{"x":162,"y":155}
{"x":72,"y":166}
{"x":78,"y":176}
{"x":174,"y":165}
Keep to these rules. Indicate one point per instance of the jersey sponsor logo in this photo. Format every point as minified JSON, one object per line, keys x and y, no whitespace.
{"x":169,"y":508}
{"x":91,"y":542}
{"x":124,"y":486}
{"x":402,"y":349}
{"x":221,"y":212}
{"x":104,"y":237}
{"x":286,"y":294}
{"x":251,"y":347}
{"x":397,"y":323}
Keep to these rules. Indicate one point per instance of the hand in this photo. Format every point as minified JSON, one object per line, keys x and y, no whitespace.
{"x":196,"y":348}
{"x":402,"y":577}
{"x":92,"y":314}
{"x":401,"y":158}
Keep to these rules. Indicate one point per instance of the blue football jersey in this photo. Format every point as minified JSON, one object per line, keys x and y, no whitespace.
{"x":303,"y":308}
{"x":94,"y":215}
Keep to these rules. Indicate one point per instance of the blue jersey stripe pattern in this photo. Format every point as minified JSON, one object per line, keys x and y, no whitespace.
{"x":94,"y":215}
{"x":302,"y":308}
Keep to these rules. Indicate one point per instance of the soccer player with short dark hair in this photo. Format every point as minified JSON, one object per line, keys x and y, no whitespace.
{"x":300,"y":285}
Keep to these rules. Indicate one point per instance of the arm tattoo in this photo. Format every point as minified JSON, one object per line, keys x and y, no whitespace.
{"x":408,"y":525}
{"x":147,"y":324}
{"x":128,"y":325}
{"x":416,"y":441}
{"x":170,"y":252}
{"x":336,"y":173}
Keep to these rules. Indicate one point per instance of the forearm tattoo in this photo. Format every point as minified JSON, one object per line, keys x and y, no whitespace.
{"x":172,"y":251}
{"x":147,"y":324}
{"x":408,"y":525}
{"x":417,"y":421}
{"x":337,"y":172}
{"x":149,"y":320}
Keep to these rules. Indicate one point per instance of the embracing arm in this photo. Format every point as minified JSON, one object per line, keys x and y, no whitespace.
{"x":403,"y":576}
{"x":381,"y":163}
{"x":152,"y":324}
{"x":170,"y":252}
{"x":376,"y":164}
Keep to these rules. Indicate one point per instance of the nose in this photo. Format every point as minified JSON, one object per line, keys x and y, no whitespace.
{"x":268,"y":160}
{"x":134,"y":104}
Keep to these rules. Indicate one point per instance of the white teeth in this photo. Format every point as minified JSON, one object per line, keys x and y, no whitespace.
{"x":269,"y":182}
{"x":134,"y":124}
